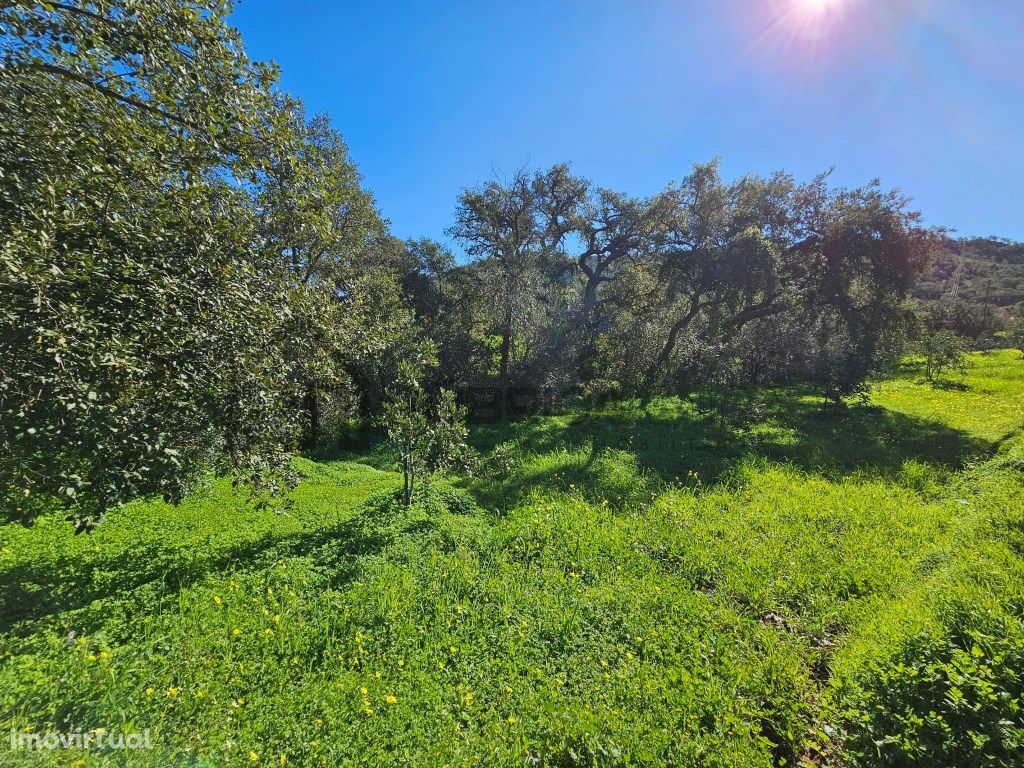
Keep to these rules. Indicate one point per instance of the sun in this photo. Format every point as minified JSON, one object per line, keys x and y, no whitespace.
{"x":813,"y":20}
{"x":817,"y":7}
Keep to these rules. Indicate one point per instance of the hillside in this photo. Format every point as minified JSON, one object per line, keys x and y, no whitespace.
{"x":639,"y":587}
{"x":978,"y":270}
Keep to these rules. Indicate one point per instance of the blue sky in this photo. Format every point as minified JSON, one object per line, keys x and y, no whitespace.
{"x":432,"y":97}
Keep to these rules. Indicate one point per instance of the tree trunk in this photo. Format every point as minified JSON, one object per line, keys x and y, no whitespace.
{"x":506,"y":349}
{"x":313,"y":414}
{"x":670,"y":343}
{"x":406,"y":478}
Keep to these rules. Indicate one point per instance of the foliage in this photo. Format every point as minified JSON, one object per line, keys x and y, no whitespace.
{"x":950,"y":697}
{"x":143,"y":330}
{"x":942,"y":351}
{"x":426,"y":438}
{"x":976,"y":271}
{"x":1017,"y":332}
{"x":602,"y":287}
{"x":516,"y":230}
{"x":323,"y":227}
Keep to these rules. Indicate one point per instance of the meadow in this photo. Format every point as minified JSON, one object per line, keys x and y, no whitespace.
{"x":641,"y":584}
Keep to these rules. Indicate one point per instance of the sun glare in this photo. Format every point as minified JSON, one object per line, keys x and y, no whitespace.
{"x":817,"y":6}
{"x":813,"y":19}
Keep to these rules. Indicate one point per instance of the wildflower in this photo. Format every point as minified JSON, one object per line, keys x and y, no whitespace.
{"x":253,"y":757}
{"x":173,"y":691}
{"x":91,"y":657}
{"x":512,"y":720}
{"x":318,"y":721}
{"x":454,"y":649}
{"x":239,"y":702}
{"x":363,"y":690}
{"x":149,"y":691}
{"x":236,"y":632}
{"x":277,"y":618}
{"x":390,"y":699}
{"x":401,"y":662}
{"x":104,"y":655}
{"x":282,"y":759}
{"x":216,"y":600}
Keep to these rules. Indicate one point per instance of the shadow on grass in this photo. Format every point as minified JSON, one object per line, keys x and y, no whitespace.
{"x":617,"y":454}
{"x":137,"y":577}
{"x":682,"y":440}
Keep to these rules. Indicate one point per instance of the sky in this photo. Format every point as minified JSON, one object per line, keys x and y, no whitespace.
{"x":434,"y":97}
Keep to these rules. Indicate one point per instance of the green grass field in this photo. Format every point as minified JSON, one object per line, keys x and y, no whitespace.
{"x":643,"y":586}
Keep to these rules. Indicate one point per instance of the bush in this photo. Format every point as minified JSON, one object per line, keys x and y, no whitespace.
{"x":950,"y":697}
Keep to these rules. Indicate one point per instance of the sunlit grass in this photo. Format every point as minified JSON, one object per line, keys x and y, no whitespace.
{"x":986,"y":403}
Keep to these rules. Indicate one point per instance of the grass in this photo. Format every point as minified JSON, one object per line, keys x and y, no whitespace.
{"x":642,"y":587}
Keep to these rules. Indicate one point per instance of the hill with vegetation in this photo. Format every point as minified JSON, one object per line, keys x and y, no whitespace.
{"x":979,"y":270}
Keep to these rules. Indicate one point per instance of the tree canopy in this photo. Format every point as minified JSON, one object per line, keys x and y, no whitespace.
{"x":195,"y":280}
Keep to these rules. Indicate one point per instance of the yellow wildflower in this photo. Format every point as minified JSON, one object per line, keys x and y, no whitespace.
{"x":390,"y":699}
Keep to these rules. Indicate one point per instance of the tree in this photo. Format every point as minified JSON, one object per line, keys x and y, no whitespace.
{"x":426,"y":438}
{"x":143,"y":328}
{"x":943,"y":351}
{"x":316,"y":218}
{"x":726,"y":254}
{"x":516,"y":230}
{"x":1017,"y":331}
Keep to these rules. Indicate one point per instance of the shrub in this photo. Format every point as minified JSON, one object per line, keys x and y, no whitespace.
{"x":949,"y":697}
